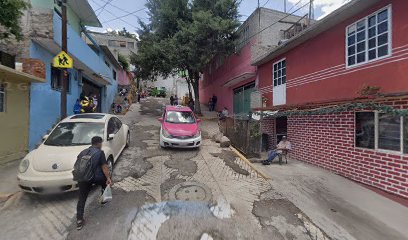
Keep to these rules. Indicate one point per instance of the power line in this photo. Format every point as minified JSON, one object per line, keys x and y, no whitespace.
{"x":131,"y":13}
{"x":286,"y":16}
{"x":127,"y":23}
{"x":103,"y":7}
{"x":119,"y":8}
{"x":265,"y":3}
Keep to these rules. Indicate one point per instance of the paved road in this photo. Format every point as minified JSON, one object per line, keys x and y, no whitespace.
{"x":166,"y":194}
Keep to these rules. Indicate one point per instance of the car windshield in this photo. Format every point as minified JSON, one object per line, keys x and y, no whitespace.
{"x":74,"y":134}
{"x":180,"y":117}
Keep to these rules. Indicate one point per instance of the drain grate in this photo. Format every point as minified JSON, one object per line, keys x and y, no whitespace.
{"x":190,"y":191}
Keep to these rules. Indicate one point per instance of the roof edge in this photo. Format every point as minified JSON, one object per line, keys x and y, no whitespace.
{"x":339,"y":15}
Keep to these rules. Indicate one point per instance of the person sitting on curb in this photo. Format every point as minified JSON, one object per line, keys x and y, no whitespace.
{"x":284,"y":145}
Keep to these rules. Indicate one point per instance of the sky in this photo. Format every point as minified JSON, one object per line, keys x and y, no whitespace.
{"x":116,"y":14}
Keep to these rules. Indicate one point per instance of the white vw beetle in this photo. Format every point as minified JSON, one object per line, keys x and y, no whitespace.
{"x":48,"y":169}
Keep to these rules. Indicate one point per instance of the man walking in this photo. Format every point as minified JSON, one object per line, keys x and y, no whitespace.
{"x":284,"y":145}
{"x":214,"y":101}
{"x":94,"y":165}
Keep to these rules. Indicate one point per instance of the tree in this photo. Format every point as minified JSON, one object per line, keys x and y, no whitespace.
{"x":186,"y":35}
{"x":125,"y":33}
{"x":10,"y":13}
{"x":123,"y":62}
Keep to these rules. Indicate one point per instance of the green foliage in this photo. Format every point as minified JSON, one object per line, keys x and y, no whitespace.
{"x":125,"y":33}
{"x":123,"y":62}
{"x":341,"y":108}
{"x":10,"y":13}
{"x":185,"y":35}
{"x":155,"y":92}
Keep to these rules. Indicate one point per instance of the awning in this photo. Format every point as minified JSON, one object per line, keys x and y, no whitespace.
{"x":54,"y":48}
{"x":240,"y":78}
{"x":10,"y":74}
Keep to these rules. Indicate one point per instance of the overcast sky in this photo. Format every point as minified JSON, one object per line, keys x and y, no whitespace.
{"x":116,"y":14}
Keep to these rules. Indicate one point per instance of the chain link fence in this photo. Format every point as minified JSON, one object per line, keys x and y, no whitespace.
{"x":244,"y":134}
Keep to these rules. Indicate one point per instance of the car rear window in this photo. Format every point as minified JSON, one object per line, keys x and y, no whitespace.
{"x":180,"y":117}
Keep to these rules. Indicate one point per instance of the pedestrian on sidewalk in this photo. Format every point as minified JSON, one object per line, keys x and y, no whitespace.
{"x":214,"y":101}
{"x":210,"y":105}
{"x":191,"y":104}
{"x":93,"y":161}
{"x":77,"y":107}
{"x":171,"y":100}
{"x":284,"y":145}
{"x":138,"y":96}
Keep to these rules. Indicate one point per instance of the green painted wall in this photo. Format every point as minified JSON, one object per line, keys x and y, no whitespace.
{"x":73,"y":19}
{"x":14,"y":122}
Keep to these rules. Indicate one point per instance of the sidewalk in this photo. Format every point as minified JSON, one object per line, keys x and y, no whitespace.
{"x":342,"y":208}
{"x":8,"y":173}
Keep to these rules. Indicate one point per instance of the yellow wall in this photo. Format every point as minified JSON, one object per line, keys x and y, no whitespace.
{"x":14,"y":122}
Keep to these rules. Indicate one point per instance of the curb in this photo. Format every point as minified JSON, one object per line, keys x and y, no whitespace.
{"x":243,"y":158}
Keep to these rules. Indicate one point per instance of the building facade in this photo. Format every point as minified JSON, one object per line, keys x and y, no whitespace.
{"x":124,"y":46}
{"x":233,"y":79}
{"x":14,"y":112}
{"x":339,"y":90}
{"x":91,"y":74}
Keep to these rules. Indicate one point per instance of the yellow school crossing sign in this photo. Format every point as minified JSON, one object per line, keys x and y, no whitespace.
{"x":63,"y":60}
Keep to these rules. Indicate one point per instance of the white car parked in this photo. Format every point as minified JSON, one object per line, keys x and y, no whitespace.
{"x":48,"y":169}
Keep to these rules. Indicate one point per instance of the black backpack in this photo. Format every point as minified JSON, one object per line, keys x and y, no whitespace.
{"x":83,"y":171}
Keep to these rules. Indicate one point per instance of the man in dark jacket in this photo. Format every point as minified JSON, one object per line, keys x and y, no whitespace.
{"x":214,"y":102}
{"x":101,"y":176}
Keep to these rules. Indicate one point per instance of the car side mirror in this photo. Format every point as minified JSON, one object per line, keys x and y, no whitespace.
{"x":160,"y":119}
{"x":111,"y":136}
{"x":198,"y":120}
{"x":45,"y":137}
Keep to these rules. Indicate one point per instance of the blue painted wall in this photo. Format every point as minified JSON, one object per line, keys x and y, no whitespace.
{"x":45,"y":102}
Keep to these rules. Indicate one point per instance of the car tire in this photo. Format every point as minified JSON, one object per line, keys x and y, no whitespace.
{"x":110,"y":165}
{"x":127,"y":140}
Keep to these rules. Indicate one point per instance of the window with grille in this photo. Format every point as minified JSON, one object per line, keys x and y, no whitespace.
{"x":279,"y":73}
{"x":369,"y":39}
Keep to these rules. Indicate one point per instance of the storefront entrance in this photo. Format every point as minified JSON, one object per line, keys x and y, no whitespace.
{"x":242,"y":98}
{"x":91,"y":89}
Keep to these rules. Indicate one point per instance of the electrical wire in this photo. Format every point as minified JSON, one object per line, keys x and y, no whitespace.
{"x":127,"y":23}
{"x":131,"y":13}
{"x":103,"y":7}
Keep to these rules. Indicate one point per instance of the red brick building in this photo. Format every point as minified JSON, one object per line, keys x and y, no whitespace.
{"x":340,"y":88}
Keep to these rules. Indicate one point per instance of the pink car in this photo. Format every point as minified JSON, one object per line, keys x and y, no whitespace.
{"x":179,"y":128}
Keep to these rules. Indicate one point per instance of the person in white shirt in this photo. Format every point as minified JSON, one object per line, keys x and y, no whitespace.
{"x":284,"y":145}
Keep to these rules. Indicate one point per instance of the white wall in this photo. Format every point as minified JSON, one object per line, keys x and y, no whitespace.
{"x":174,"y":85}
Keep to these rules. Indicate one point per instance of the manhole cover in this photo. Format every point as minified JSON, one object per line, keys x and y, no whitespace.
{"x":190,"y":191}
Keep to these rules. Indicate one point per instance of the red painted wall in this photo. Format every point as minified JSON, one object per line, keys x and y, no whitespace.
{"x":233,"y":66}
{"x":327,"y":50}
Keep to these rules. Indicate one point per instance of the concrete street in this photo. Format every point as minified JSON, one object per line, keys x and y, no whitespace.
{"x":207,"y":193}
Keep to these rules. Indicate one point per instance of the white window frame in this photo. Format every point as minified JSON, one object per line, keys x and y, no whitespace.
{"x":365,"y":19}
{"x":376,"y":135}
{"x":3,"y":93}
{"x":273,"y":72}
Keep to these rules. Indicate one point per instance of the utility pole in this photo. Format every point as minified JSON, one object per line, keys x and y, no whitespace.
{"x":311,"y":9}
{"x":284,"y":5}
{"x":64,"y":45}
